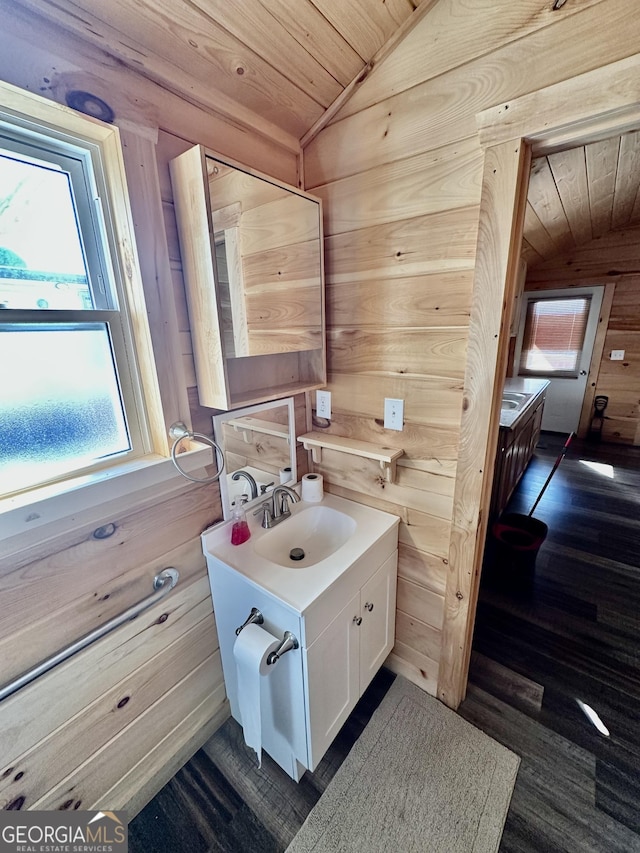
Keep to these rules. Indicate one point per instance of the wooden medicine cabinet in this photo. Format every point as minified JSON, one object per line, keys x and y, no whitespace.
{"x":252,"y":258}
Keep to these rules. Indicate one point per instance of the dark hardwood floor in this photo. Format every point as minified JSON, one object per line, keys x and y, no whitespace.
{"x":220,"y":802}
{"x":571,"y":633}
{"x":567,"y":633}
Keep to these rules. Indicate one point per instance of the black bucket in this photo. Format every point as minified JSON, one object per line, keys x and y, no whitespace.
{"x":517,"y":540}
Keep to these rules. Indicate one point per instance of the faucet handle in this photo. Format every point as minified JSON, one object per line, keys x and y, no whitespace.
{"x":267,"y":517}
{"x":284,"y":503}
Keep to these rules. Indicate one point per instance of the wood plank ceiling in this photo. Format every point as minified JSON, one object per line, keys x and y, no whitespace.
{"x":580,"y":194}
{"x":284,"y":62}
{"x":280,"y":65}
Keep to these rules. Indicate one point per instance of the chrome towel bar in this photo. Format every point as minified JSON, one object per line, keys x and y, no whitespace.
{"x":163,"y":583}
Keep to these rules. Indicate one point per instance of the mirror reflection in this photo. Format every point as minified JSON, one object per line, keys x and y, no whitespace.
{"x":258,"y":443}
{"x":268,"y":263}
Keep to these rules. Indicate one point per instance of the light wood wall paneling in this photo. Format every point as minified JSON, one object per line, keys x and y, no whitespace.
{"x":51,"y":605}
{"x":54,"y":758}
{"x":33,"y":713}
{"x":436,"y":299}
{"x":422,"y":568}
{"x":441,"y":109}
{"x":413,"y":489}
{"x":418,"y":635}
{"x":426,"y":447}
{"x":416,"y":600}
{"x":433,"y":243}
{"x":425,"y":532}
{"x":436,"y":180}
{"x":435,"y":400}
{"x":129,"y":746}
{"x":132,"y":791}
{"x":415,"y":666}
{"x":439,"y":351}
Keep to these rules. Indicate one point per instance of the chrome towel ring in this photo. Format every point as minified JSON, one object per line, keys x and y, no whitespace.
{"x":178,"y":432}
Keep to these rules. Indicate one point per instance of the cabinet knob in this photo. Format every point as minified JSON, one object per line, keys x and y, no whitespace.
{"x":357,"y":620}
{"x":368,"y":606}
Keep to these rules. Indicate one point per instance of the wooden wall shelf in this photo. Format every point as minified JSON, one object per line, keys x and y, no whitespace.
{"x":386,"y":456}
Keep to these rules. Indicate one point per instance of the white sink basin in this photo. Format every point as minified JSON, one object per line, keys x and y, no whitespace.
{"x":312,"y":535}
{"x":336,"y":535}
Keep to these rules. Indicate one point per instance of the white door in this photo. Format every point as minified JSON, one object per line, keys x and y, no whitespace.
{"x":555,"y":342}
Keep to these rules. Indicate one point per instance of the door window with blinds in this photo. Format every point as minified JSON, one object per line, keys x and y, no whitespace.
{"x":554,"y":335}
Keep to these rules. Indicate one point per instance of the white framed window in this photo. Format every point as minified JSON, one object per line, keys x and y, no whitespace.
{"x":79,"y":390}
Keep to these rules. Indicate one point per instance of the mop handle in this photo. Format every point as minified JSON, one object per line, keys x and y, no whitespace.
{"x":553,"y":471}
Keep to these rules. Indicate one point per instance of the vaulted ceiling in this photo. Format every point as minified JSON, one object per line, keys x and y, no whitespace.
{"x":578,"y":195}
{"x":284,"y":62}
{"x":282,"y":66}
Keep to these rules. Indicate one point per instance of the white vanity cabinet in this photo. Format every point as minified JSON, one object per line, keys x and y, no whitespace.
{"x":341,"y":662}
{"x":344,"y":622}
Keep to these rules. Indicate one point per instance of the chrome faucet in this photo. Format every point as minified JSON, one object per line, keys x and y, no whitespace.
{"x":277,"y":509}
{"x":252,"y":483}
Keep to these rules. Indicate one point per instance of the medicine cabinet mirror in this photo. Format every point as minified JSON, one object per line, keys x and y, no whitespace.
{"x":260,"y":442}
{"x":252,"y":256}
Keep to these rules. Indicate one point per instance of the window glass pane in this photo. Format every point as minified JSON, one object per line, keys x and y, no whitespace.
{"x":554,"y":335}
{"x":42,"y":262}
{"x":60,"y":408}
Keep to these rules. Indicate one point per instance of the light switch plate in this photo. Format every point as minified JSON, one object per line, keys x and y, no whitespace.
{"x":393,"y":414}
{"x":323,"y":404}
{"x":617,"y":355}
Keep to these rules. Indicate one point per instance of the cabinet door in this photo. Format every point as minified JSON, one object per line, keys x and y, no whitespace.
{"x":332,"y":663}
{"x":377,"y":629}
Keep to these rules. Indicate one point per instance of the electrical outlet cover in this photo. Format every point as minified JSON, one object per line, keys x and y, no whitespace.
{"x":393,"y":414}
{"x":323,"y":404}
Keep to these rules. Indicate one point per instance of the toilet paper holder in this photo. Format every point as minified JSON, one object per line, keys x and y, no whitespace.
{"x":288,"y":643}
{"x":254,"y":618}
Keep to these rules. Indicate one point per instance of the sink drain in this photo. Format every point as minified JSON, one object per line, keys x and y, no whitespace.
{"x":296,"y":554}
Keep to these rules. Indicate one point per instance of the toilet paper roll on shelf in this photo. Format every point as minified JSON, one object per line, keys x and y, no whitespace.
{"x":251,"y":651}
{"x":285,"y":475}
{"x":312,"y":488}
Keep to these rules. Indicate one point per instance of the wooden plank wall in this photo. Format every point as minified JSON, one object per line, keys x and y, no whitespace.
{"x":107,"y":728}
{"x":614,"y":260}
{"x":399,"y":169}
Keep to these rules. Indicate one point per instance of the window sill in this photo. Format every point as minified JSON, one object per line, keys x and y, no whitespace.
{"x":31,"y":510}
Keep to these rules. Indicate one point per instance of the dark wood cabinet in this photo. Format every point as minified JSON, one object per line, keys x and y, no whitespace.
{"x":516,"y":445}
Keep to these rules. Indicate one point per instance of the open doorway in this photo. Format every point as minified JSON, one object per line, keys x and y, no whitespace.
{"x":591,"y":107}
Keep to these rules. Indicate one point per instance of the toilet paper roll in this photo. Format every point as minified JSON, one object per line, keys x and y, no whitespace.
{"x":250,"y":651}
{"x":285,"y":475}
{"x":312,"y":488}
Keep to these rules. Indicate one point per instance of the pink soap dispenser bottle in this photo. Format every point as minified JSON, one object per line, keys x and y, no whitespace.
{"x":239,"y":528}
